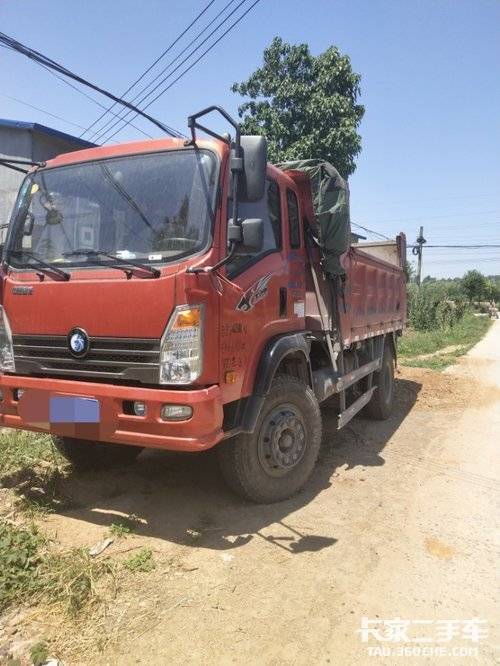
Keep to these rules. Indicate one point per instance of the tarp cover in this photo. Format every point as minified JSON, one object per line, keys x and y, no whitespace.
{"x":331,"y":205}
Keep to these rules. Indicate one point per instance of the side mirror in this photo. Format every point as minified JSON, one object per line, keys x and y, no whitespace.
{"x":252,"y":182}
{"x":249,"y":236}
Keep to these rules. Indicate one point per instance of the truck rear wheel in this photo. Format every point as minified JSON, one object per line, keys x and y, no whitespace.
{"x":84,"y":454}
{"x":277,"y":459}
{"x":380,"y":406}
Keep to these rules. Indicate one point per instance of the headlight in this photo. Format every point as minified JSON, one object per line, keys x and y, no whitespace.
{"x":6,"y":351}
{"x":181,"y":346}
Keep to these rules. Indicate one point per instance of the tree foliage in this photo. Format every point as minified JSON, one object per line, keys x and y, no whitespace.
{"x":474,"y":285}
{"x":305,"y":105}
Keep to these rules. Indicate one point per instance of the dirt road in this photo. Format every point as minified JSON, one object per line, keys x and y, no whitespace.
{"x":397,"y":523}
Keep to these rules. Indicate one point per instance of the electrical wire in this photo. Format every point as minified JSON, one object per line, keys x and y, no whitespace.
{"x":89,"y":97}
{"x":37,"y":108}
{"x":162,"y":55}
{"x":84,"y":94}
{"x":436,"y":217}
{"x":109,"y":125}
{"x":184,"y":72}
{"x":462,"y":247}
{"x":370,"y":231}
{"x":40,"y":58}
{"x":105,"y":135}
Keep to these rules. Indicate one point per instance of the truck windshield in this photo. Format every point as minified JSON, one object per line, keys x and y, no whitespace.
{"x":151,"y":208}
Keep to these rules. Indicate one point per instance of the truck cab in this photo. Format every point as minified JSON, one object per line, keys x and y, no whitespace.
{"x":154,"y":295}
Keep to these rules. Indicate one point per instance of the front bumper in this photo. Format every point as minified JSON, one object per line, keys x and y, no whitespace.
{"x":202,"y":431}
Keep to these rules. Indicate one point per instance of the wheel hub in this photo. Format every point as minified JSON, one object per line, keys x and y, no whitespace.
{"x":282,"y":440}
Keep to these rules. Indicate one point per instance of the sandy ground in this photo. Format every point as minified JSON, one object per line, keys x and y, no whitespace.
{"x":398,"y":523}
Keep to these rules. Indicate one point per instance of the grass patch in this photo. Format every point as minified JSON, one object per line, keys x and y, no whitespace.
{"x":31,"y":465}
{"x":39,"y":653}
{"x":31,"y":571}
{"x":20,"y":449}
{"x":140,"y":562}
{"x":121,"y":528}
{"x":463,"y":335}
{"x":19,"y":562}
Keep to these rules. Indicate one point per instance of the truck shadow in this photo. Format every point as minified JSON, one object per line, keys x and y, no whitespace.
{"x":181,"y":498}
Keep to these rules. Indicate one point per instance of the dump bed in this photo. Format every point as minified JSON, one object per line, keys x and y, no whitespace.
{"x":367,"y":295}
{"x":370,"y":299}
{"x":374,"y":296}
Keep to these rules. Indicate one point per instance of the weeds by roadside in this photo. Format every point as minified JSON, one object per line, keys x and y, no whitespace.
{"x":140,"y":562}
{"x":20,"y":560}
{"x":21,"y":450}
{"x":121,"y":528}
{"x":32,"y":571}
{"x":31,"y":465}
{"x":439,"y":348}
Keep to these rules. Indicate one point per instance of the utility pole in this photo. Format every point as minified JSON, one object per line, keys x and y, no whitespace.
{"x":417,"y":251}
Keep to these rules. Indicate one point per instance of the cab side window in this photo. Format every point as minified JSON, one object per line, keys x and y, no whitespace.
{"x":267,"y":209}
{"x":293,"y":219}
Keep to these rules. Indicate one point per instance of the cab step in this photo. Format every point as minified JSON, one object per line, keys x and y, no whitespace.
{"x":345,"y":416}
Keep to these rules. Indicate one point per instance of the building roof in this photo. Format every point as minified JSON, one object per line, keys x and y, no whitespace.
{"x":43,"y":129}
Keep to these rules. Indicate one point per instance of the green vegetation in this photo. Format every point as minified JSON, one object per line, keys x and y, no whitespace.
{"x":123,"y":526}
{"x":445,"y":345}
{"x":140,"y":562}
{"x":30,"y":463}
{"x":39,"y":653}
{"x":19,"y":563}
{"x":31,"y":571}
{"x":431,"y":307}
{"x":20,"y":449}
{"x":441,"y":319}
{"x":305,"y":105}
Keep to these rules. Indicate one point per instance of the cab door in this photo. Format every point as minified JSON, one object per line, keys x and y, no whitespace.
{"x":257,"y":303}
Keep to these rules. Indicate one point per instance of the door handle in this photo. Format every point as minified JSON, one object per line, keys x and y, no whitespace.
{"x":283,"y":302}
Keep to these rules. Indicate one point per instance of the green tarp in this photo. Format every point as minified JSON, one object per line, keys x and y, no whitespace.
{"x":331,"y":205}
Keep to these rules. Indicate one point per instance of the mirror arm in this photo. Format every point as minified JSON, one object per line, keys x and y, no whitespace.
{"x":211,"y":269}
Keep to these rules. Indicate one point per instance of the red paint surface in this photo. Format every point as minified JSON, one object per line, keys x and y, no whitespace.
{"x":105,"y":303}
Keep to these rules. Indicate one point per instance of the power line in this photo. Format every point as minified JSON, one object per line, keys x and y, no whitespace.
{"x":370,"y":231}
{"x":467,"y":247}
{"x":37,"y":108}
{"x":436,"y":217}
{"x":463,"y":261}
{"x":107,"y":128}
{"x":167,"y":50}
{"x":82,"y":92}
{"x":184,"y":72}
{"x":39,"y":58}
{"x":171,"y":73}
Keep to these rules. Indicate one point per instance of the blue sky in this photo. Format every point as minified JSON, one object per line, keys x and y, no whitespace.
{"x":430,"y":85}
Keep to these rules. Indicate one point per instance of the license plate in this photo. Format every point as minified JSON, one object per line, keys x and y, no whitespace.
{"x":66,"y":409}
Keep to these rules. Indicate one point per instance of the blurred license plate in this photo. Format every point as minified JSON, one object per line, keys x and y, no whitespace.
{"x":66,"y":409}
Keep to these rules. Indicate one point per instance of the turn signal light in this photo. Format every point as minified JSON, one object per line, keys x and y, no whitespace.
{"x":187,"y":318}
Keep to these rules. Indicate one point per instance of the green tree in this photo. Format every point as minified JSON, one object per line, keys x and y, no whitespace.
{"x":474,"y":285}
{"x":409,"y":271}
{"x":305,"y":105}
{"x":492,"y":292}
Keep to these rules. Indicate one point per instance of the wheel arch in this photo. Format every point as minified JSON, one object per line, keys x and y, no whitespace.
{"x":285,"y":354}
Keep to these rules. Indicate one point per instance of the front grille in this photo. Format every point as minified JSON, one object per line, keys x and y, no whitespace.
{"x":108,"y":358}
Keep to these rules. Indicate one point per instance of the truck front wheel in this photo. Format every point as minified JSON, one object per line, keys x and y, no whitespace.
{"x":84,"y":454}
{"x":277,"y":459}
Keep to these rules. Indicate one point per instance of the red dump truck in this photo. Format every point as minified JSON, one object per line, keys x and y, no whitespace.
{"x":184,"y":294}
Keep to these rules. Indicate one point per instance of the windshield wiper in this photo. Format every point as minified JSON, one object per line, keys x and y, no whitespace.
{"x":41,"y":265}
{"x":154,"y":272}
